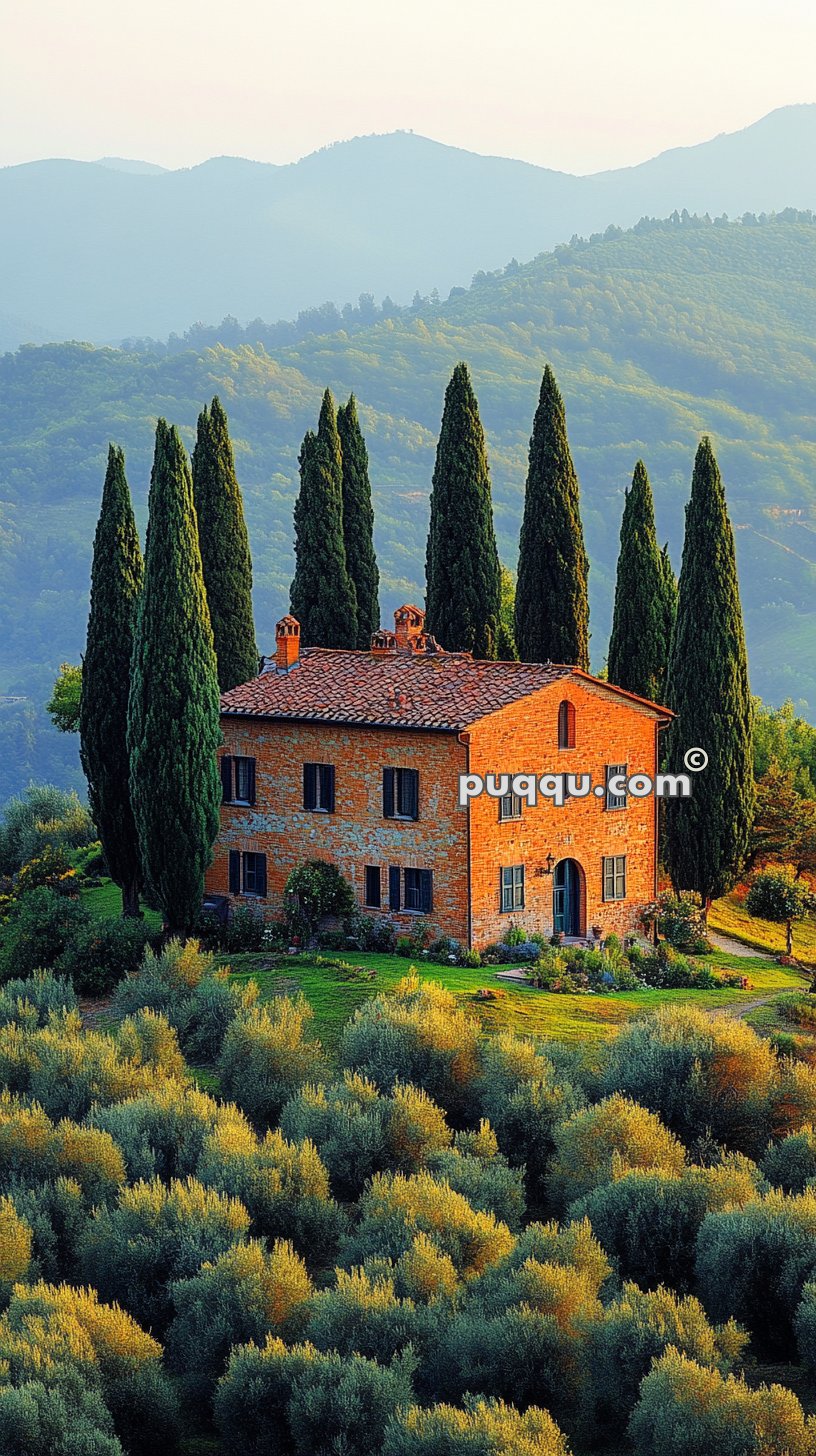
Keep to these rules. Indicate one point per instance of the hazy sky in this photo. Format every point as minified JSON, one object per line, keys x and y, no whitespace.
{"x":578,"y":84}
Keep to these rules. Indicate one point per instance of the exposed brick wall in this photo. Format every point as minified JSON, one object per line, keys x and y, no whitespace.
{"x":356,"y":834}
{"x":523,"y":738}
{"x":520,"y":738}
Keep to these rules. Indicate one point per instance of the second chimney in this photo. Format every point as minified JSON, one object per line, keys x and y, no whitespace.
{"x":287,"y":644}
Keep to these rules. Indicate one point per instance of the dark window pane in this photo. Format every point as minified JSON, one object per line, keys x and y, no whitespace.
{"x":372,"y":885}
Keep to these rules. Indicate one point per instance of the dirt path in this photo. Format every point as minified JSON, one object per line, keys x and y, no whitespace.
{"x":737,"y":947}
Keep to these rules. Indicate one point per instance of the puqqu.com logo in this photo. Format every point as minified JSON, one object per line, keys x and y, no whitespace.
{"x":559,"y":788}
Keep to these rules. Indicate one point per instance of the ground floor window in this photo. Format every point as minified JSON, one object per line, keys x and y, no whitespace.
{"x":410,"y":889}
{"x":247,"y":873}
{"x":512,"y":887}
{"x":614,"y":877}
{"x":373,"y":890}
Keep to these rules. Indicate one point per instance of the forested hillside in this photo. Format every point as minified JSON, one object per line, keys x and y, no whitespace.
{"x":654,"y":335}
{"x":97,"y":252}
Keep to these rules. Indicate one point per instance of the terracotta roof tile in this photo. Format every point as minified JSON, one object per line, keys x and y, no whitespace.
{"x":401,"y":690}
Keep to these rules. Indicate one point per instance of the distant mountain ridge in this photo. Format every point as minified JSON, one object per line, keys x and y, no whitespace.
{"x":115,"y":249}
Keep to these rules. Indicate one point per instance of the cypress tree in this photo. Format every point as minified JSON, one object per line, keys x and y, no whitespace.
{"x":358,"y":523}
{"x":322,"y":594}
{"x":552,"y":605}
{"x":224,"y":544}
{"x":668,"y":596}
{"x":707,"y":835}
{"x":116,"y":585}
{"x":463,"y":591}
{"x":637,"y":646}
{"x":173,"y":714}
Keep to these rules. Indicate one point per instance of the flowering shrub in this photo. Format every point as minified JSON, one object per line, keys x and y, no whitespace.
{"x":680,"y":919}
{"x":314,"y":890}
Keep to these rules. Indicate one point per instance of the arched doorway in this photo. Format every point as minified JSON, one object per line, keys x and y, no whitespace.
{"x":568,"y":898}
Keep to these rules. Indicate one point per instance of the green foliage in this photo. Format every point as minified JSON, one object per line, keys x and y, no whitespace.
{"x":416,"y":1034}
{"x":483,"y":1428}
{"x":598,"y":1144}
{"x":322,"y":595}
{"x":63,"y":705}
{"x":552,"y":606}
{"x":791,"y":1163}
{"x":685,"y":1409}
{"x":782,"y":736}
{"x":777,"y":896}
{"x":707,"y":687}
{"x":248,"y":1293}
{"x":705,"y":1076}
{"x":635,"y":1329}
{"x":117,"y":577}
{"x":363,"y":1314}
{"x":265,"y":1057}
{"x":358,"y":523}
{"x":15,"y":1248}
{"x":395,"y":1208}
{"x":34,"y":998}
{"x":42,"y":815}
{"x":648,"y":1221}
{"x":462,"y":574}
{"x":36,"y":1151}
{"x":275,"y":1400}
{"x":525,"y":1098}
{"x":49,"y":1330}
{"x":132,"y":1253}
{"x":147,"y":1039}
{"x":754,"y":1262}
{"x":680,"y":918}
{"x":313,"y":890}
{"x":162,"y":1132}
{"x":805,"y":1328}
{"x":195,"y":995}
{"x":225,"y":558}
{"x":358,"y":1132}
{"x":101,"y":953}
{"x":484,"y":1178}
{"x":173,"y":715}
{"x":67,"y":1069}
{"x":639,"y":643}
{"x":284,"y":1186}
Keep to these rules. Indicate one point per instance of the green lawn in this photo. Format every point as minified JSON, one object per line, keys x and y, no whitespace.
{"x":105,"y":902}
{"x":584,"y":1019}
{"x":579,"y":1019}
{"x":730,"y":917}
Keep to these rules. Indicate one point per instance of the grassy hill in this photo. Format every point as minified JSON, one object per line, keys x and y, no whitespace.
{"x":655,"y":335}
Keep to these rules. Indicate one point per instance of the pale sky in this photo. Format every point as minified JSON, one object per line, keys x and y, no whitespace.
{"x":579,"y":85}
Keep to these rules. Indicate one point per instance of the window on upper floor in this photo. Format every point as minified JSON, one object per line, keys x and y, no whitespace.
{"x":237,"y":779}
{"x":566,"y":724}
{"x":318,"y":787}
{"x":400,"y":793}
{"x":510,"y":806}
{"x":615,"y":796}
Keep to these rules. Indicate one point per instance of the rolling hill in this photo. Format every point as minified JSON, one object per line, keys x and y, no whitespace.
{"x":109,"y":250}
{"x":656,"y":335}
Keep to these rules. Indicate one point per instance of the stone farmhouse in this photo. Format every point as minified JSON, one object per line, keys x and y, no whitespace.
{"x":355,"y":757}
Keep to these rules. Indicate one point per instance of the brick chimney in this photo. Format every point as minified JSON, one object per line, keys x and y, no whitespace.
{"x":409,"y":623}
{"x":383,"y":643}
{"x":287,"y":644}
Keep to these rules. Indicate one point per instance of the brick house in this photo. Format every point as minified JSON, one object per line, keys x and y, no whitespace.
{"x":355,"y":757}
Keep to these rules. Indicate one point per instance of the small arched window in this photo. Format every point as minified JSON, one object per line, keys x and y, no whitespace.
{"x":566,"y":725}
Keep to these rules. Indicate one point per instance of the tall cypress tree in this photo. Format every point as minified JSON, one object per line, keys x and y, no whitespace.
{"x":707,"y":834}
{"x":463,"y":591}
{"x":668,"y":597}
{"x":224,"y":543}
{"x":173,"y":715}
{"x":116,"y":585}
{"x":637,"y":647}
{"x":552,"y":605}
{"x":358,"y":523}
{"x":322,"y":594}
